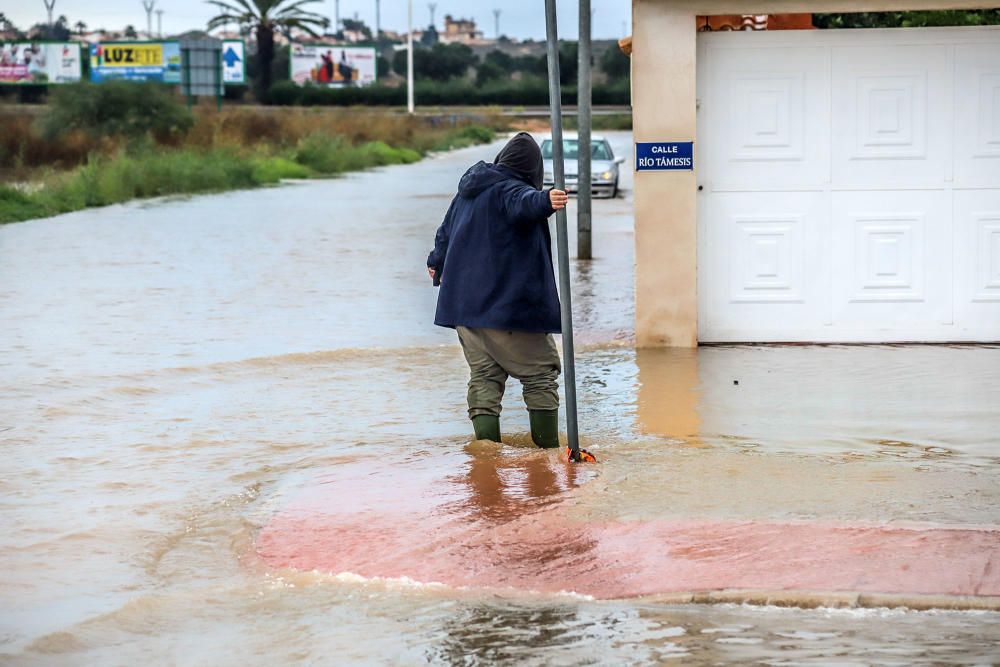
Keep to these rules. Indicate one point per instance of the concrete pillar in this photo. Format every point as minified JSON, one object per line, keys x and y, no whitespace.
{"x":664,"y":52}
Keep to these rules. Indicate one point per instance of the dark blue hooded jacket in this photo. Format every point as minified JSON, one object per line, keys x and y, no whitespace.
{"x":493,"y":254}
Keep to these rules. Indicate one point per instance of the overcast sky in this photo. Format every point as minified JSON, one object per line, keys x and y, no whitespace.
{"x":522,"y":19}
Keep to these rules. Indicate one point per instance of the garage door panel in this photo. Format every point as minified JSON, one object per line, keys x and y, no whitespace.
{"x":876,"y":218}
{"x":891,"y":106}
{"x":977,"y":261}
{"x":892,"y":258}
{"x":763,"y":267}
{"x":977,"y":115}
{"x":773,"y":104}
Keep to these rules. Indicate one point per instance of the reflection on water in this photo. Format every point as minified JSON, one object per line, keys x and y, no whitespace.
{"x":175,"y":377}
{"x":669,"y":394}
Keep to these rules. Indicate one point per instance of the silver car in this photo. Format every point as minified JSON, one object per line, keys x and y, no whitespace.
{"x":603,"y":165}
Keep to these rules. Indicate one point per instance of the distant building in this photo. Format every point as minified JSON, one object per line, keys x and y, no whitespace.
{"x":460,"y":31}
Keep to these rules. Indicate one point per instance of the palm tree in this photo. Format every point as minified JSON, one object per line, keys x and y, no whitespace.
{"x":81,"y":27}
{"x":265,"y":17}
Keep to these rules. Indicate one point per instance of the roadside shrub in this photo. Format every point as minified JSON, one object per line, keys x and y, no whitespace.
{"x":272,"y":170}
{"x":16,"y":205}
{"x":234,"y":148}
{"x":119,"y":108}
{"x":378,"y":153}
{"x":323,"y":153}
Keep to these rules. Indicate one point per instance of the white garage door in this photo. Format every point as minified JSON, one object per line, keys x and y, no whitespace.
{"x":850,"y":185}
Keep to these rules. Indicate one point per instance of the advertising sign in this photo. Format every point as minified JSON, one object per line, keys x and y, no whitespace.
{"x":136,"y":61}
{"x":664,"y":156}
{"x":39,"y":62}
{"x":234,"y":69}
{"x":324,"y":65}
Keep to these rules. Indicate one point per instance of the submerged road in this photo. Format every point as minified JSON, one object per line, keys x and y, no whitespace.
{"x":230,"y":434}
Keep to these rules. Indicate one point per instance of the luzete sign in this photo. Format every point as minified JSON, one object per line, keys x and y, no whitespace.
{"x":664,"y":156}
{"x":136,"y":61}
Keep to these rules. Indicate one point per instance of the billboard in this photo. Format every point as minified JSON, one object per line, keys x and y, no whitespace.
{"x":234,"y":69}
{"x":136,"y":61}
{"x":39,"y":62}
{"x":328,"y":65}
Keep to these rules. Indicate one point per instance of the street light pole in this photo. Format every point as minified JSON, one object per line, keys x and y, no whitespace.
{"x":409,"y":56}
{"x":562,"y":243}
{"x":148,"y":6}
{"x":378,"y":20}
{"x":159,"y":23}
{"x":49,"y":6}
{"x":583,"y":208}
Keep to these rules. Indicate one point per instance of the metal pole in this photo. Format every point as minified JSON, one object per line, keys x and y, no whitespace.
{"x":49,"y":6}
{"x":378,"y":20}
{"x":336,"y":16}
{"x":159,"y":23}
{"x":562,"y":243}
{"x":409,"y":56}
{"x":148,"y":6}
{"x":583,"y":209}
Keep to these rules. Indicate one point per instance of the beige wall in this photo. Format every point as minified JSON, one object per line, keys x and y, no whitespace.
{"x":663,"y":103}
{"x":664,"y":59}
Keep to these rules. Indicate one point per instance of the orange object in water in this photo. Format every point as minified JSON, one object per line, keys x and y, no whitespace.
{"x":582,"y":456}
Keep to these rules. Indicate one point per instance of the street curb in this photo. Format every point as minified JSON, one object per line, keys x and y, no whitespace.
{"x":830,"y":599}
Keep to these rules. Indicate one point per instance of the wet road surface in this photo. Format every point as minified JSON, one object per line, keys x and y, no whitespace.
{"x":182,"y":381}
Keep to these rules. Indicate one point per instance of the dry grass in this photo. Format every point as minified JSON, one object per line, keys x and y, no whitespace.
{"x":232,"y":148}
{"x":24,"y":148}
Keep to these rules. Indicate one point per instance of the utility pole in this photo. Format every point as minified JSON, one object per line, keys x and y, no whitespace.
{"x":159,"y":23}
{"x":49,"y":6}
{"x":378,"y":19}
{"x":562,"y":243}
{"x":432,"y":6}
{"x":583,"y":208}
{"x":409,"y":56}
{"x":148,"y":6}
{"x":496,"y":24}
{"x":336,"y":15}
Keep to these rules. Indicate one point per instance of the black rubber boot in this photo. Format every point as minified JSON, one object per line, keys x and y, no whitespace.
{"x":544,"y":427}
{"x":487,"y":427}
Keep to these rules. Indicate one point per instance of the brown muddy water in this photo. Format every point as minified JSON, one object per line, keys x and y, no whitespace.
{"x":182,"y":380}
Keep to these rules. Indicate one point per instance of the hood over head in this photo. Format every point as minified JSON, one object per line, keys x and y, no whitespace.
{"x":522,"y":156}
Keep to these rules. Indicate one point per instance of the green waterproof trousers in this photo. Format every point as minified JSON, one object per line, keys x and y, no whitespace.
{"x":494,"y":355}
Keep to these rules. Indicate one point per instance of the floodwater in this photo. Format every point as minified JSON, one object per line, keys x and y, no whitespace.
{"x":231,"y":435}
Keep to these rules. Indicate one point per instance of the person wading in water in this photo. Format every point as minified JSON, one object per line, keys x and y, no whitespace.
{"x":492,"y":259}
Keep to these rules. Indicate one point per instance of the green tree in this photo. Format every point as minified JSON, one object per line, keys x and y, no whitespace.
{"x":957,"y":17}
{"x":440,"y":62}
{"x":615,"y":64}
{"x":357,"y":26}
{"x":265,"y":17}
{"x":80,"y":27}
{"x":568,"y":64}
{"x":496,"y":65}
{"x":130,"y":32}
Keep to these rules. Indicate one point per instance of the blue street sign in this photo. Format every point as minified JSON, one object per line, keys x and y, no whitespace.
{"x":664,"y":156}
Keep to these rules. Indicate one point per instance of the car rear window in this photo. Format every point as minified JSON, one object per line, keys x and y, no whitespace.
{"x":599,"y":150}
